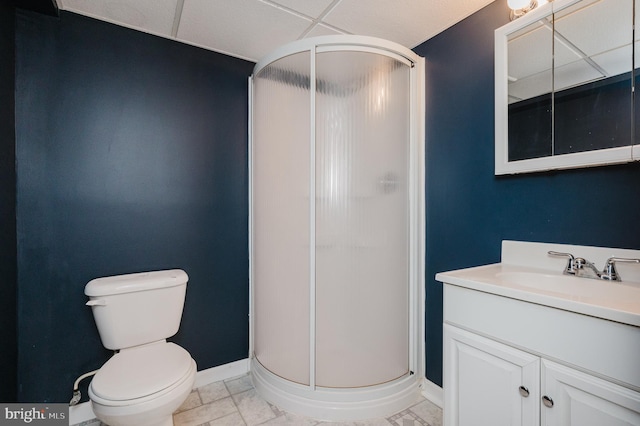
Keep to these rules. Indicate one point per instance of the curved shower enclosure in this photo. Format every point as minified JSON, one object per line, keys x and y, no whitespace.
{"x":337,"y":235}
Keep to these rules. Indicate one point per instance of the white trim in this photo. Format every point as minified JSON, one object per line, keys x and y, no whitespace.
{"x":433,"y":393}
{"x":83,"y":412}
{"x":421,"y":225}
{"x":312,"y":218}
{"x":355,"y":42}
{"x":250,"y":205}
{"x":598,"y":157}
{"x":368,"y":49}
{"x":221,"y":372}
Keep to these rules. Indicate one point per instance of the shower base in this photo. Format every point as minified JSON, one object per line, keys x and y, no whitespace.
{"x":332,"y":404}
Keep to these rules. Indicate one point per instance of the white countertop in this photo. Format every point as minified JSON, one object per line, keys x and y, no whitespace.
{"x":611,"y":300}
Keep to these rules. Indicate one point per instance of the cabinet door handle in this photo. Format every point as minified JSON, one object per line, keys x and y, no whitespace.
{"x":523,"y":391}
{"x":548,"y":402}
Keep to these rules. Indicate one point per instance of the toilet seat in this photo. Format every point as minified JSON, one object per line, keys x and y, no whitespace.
{"x":139,"y":374}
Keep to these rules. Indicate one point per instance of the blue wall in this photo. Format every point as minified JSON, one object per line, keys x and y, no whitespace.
{"x":8,"y":336}
{"x":469,"y":210}
{"x":131,"y":156}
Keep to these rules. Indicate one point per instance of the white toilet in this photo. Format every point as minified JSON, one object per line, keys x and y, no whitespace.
{"x":149,"y":378}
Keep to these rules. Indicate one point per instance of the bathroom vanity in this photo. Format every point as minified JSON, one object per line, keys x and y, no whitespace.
{"x":526,"y":344}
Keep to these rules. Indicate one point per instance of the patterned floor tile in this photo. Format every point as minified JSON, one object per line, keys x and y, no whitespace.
{"x":407,"y":418}
{"x":253,"y":409}
{"x":233,"y":419}
{"x":213,"y":392}
{"x":192,"y":401}
{"x":240,"y":384}
{"x":290,"y":419}
{"x":234,"y":402}
{"x":367,"y":422}
{"x":205,"y":413}
{"x":428,"y":411}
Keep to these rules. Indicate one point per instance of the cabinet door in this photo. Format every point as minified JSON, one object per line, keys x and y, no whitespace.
{"x":580,"y":399}
{"x":482,"y":380}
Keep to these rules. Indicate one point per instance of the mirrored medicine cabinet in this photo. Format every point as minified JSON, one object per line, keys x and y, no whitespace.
{"x":564,"y":82}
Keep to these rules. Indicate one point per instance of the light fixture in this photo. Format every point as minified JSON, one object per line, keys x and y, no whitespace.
{"x":520,"y":7}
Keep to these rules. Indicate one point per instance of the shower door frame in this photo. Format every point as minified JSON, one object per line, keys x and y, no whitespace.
{"x":343,"y":404}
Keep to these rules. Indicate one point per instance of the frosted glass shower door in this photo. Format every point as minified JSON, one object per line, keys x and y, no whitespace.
{"x":362,"y":218}
{"x":281,"y":226}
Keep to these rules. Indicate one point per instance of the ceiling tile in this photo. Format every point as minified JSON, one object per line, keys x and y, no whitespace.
{"x":406,"y":22}
{"x":616,"y":61}
{"x":573,"y":74}
{"x":154,"y":16}
{"x":531,"y":52}
{"x":529,"y":87}
{"x":310,"y":8}
{"x":598,"y":27}
{"x":250,"y":29}
{"x":246,"y":28}
{"x":322,"y":30}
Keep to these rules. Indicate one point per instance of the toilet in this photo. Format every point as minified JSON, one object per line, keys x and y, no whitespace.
{"x":148,"y":378}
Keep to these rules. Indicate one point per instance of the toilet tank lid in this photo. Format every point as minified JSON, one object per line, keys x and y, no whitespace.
{"x":130,"y":283}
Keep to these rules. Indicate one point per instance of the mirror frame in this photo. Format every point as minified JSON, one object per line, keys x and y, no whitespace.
{"x":503,"y":166}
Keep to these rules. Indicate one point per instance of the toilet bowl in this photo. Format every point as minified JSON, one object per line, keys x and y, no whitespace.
{"x":148,"y":378}
{"x":143,"y":386}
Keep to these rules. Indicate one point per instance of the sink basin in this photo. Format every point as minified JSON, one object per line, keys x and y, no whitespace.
{"x":579,"y":289}
{"x":541,"y":281}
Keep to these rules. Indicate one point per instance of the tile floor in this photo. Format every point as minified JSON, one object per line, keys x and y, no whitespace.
{"x":234,"y":402}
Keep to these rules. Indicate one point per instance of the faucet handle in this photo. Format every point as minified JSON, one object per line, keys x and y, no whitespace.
{"x":610,"y":273}
{"x":571,"y":261}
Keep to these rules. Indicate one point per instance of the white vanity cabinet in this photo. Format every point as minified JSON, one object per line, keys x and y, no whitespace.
{"x":510,"y":362}
{"x":580,"y":399}
{"x":563,"y":352}
{"x":483,"y":380}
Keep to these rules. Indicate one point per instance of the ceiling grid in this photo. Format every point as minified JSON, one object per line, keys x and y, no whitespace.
{"x":250,"y":29}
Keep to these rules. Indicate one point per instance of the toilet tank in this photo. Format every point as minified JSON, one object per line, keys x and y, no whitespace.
{"x":135,"y":309}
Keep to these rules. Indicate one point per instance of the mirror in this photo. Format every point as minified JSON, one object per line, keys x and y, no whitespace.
{"x":564,"y":87}
{"x":530,"y":87}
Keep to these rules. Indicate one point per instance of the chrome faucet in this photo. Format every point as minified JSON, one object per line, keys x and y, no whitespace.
{"x":610,"y":273}
{"x":570,"y":269}
{"x":580,"y":267}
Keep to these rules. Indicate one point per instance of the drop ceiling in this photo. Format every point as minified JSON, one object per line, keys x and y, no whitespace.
{"x":250,"y":29}
{"x":588,"y":41}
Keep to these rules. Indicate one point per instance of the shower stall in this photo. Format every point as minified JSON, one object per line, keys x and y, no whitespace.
{"x":337,"y":227}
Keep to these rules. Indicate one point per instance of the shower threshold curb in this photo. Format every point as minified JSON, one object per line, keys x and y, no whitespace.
{"x":330,"y":404}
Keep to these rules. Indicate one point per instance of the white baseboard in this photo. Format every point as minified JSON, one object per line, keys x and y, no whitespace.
{"x":433,"y":393}
{"x":221,"y":372}
{"x":83,"y":412}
